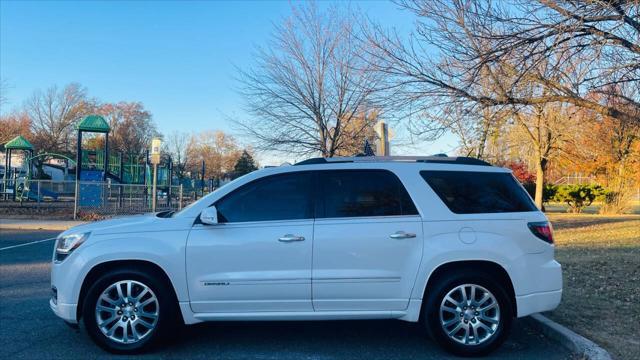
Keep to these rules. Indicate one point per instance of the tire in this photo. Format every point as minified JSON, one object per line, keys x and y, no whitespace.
{"x":488,"y":320}
{"x":149,"y":311}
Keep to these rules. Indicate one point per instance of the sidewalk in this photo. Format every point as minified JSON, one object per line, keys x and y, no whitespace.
{"x":26,"y":224}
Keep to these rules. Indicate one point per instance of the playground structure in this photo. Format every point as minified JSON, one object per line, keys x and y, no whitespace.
{"x":27,"y":189}
{"x":16,"y":144}
{"x":97,"y":167}
{"x":17,"y":184}
{"x":103,"y":182}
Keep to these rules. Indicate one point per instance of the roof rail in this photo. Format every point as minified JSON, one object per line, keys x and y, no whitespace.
{"x":462,"y":160}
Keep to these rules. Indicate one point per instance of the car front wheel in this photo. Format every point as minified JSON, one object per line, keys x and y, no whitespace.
{"x":126,"y":312}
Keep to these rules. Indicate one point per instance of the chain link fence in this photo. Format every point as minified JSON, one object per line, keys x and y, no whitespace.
{"x":109,"y":199}
{"x":38,"y":191}
{"x":94,"y":199}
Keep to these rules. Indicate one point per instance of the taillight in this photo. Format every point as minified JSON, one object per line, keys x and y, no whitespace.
{"x":542,"y":230}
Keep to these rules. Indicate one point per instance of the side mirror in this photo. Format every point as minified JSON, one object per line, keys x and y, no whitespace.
{"x":209,"y":216}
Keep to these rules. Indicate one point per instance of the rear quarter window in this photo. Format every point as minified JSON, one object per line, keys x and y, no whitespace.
{"x":466,"y":192}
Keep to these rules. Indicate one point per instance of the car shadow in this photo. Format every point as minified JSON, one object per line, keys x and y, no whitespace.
{"x":309,"y":339}
{"x":368,"y":339}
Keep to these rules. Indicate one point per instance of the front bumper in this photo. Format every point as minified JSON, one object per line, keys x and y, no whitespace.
{"x":67,"y":312}
{"x":64,"y":285}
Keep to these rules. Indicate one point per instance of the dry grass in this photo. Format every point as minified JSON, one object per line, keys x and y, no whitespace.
{"x":600,"y":256}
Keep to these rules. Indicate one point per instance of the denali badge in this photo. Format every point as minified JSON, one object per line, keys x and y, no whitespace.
{"x":208,"y":283}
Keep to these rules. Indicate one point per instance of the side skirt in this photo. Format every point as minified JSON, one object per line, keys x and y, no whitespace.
{"x":411,"y":314}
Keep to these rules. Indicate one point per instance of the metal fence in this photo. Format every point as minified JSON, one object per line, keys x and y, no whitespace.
{"x":89,"y":198}
{"x":38,"y":190}
{"x":42,"y":191}
{"x":123,"y":199}
{"x":576,"y":180}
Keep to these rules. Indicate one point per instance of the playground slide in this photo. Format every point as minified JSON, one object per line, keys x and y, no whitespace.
{"x":32,"y":194}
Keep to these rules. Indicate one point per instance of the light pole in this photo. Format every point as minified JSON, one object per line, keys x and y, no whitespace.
{"x":383,"y":132}
{"x":156,"y":143}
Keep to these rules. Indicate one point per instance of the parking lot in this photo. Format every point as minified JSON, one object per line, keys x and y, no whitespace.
{"x":29,"y":330}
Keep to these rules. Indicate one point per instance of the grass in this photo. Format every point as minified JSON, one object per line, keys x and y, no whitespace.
{"x":600,"y":256}
{"x":556,"y":207}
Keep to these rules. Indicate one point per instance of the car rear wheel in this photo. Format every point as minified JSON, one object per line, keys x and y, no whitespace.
{"x":128,"y":311}
{"x":468,"y":315}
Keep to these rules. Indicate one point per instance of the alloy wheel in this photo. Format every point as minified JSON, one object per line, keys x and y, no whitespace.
{"x":127,"y":311}
{"x":469,"y":314}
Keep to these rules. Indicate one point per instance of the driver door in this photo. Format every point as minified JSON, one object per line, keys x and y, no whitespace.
{"x":258,"y":257}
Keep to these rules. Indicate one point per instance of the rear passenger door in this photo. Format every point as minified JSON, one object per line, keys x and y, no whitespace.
{"x":367,"y":242}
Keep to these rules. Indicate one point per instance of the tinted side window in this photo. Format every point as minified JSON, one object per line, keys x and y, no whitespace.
{"x":478,"y":192}
{"x":351,"y":193}
{"x":278,"y":197}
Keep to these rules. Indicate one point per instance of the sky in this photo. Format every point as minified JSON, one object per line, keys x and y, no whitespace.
{"x":178,"y":58}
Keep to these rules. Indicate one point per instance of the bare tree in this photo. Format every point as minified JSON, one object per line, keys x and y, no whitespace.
{"x":4,"y":88}
{"x":355,"y":132}
{"x":469,"y":61}
{"x":310,"y":83}
{"x":462,"y":48}
{"x":54,"y":113}
{"x":543,"y":134}
{"x":132,"y":127}
{"x":177,"y":146}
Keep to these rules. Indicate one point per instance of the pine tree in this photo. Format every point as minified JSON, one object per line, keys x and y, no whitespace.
{"x":244,"y":165}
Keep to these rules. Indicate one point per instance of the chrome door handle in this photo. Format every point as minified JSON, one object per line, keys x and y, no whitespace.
{"x":291,"y":238}
{"x":402,"y":235}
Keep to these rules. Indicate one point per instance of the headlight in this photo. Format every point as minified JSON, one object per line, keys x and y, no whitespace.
{"x":68,"y":243}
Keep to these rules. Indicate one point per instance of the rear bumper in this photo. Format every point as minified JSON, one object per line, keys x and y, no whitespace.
{"x":65,"y":311}
{"x":538,"y":302}
{"x":537,"y":281}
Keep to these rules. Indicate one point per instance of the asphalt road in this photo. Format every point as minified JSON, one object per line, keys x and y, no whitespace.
{"x":29,"y":330}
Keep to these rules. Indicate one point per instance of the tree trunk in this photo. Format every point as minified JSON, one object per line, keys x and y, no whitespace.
{"x":616,"y":202}
{"x":486,"y":125}
{"x":541,"y":167}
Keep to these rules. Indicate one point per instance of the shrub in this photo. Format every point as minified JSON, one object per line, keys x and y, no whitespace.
{"x":549,"y":192}
{"x":521,"y":172}
{"x":578,"y":196}
{"x":616,"y":202}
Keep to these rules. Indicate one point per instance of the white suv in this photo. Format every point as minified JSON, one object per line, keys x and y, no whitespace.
{"x":451,"y":242}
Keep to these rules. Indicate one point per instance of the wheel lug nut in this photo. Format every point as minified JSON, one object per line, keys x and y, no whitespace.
{"x":119,"y":312}
{"x":466,"y":321}
{"x":124,"y":318}
{"x":135,"y":309}
{"x":473,"y":320}
{"x":477,"y":313}
{"x":130,"y":304}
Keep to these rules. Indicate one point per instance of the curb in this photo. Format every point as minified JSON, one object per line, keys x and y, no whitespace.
{"x":570,"y":340}
{"x":63,"y":225}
